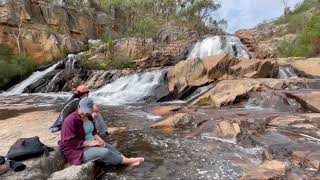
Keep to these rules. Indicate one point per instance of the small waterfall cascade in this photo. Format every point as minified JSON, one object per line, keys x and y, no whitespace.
{"x":19,"y":88}
{"x":272,"y":101}
{"x":286,"y":72}
{"x":73,"y":61}
{"x":134,"y":88}
{"x":215,"y":45}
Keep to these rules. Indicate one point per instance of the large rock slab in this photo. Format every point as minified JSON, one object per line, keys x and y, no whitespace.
{"x":196,"y":72}
{"x":305,"y":67}
{"x":28,"y":125}
{"x":267,"y":170}
{"x":227,"y":92}
{"x":309,"y":99}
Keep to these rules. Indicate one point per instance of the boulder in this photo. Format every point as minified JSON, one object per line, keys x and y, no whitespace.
{"x":176,"y":120}
{"x":268,"y":170}
{"x":38,"y":168}
{"x":308,"y":99}
{"x":229,"y":129}
{"x":83,"y":172}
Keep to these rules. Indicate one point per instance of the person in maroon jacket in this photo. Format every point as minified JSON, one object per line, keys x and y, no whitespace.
{"x":80,"y":142}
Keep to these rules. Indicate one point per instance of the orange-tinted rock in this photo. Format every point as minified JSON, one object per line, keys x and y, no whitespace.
{"x":268,"y":170}
{"x":164,"y":110}
{"x":176,"y":120}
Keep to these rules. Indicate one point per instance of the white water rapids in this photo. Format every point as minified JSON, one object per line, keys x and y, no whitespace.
{"x":216,"y":45}
{"x":19,"y":88}
{"x":131,"y":89}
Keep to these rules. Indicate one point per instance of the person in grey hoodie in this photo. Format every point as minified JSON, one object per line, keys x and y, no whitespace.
{"x":72,"y":104}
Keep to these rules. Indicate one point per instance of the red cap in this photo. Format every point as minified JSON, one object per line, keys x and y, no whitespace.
{"x":81,"y":89}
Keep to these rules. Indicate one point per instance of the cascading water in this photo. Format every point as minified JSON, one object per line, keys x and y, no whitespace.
{"x":134,"y":88}
{"x":73,"y":61}
{"x":216,"y":45}
{"x":19,"y":88}
{"x":286,"y":72}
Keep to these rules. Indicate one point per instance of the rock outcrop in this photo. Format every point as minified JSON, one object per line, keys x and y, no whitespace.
{"x":167,"y":56}
{"x":309,"y":68}
{"x":45,"y":29}
{"x":134,"y":48}
{"x":171,"y":33}
{"x":263,"y":40}
{"x":196,"y":72}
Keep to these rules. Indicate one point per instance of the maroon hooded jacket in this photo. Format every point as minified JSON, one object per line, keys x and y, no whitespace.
{"x":72,"y":138}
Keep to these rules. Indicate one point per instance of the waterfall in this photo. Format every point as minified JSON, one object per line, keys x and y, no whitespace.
{"x":286,"y":72}
{"x":73,"y":61}
{"x":19,"y":88}
{"x":216,"y":45}
{"x":134,"y":88}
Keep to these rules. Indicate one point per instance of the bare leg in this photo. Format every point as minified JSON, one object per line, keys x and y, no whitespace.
{"x":132,"y":161}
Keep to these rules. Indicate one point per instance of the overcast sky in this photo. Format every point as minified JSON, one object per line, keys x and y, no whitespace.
{"x":248,"y":13}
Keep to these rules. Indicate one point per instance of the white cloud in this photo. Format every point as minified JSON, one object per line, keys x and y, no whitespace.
{"x":248,"y":13}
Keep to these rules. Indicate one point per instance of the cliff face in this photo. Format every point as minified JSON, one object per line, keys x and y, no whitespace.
{"x":46,"y":29}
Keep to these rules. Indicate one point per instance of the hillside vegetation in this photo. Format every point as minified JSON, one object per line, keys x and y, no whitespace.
{"x":305,"y":22}
{"x":13,"y":67}
{"x":145,"y":17}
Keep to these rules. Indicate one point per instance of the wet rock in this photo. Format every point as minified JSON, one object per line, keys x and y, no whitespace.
{"x":286,"y":121}
{"x":166,"y":56}
{"x":176,"y":120}
{"x":164,"y":110}
{"x":305,"y":67}
{"x":115,"y":130}
{"x":82,"y":172}
{"x":134,"y":47}
{"x":309,"y":99}
{"x":229,"y":129}
{"x":268,"y":170}
{"x":309,"y":158}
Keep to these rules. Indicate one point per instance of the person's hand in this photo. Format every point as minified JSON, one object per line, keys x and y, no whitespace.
{"x":94,"y":143}
{"x":102,"y":142}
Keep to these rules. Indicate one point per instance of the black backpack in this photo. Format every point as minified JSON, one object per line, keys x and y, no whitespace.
{"x":26,"y":148}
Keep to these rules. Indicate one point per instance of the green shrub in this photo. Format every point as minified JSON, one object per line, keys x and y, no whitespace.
{"x":116,"y":61}
{"x":307,"y":43}
{"x":13,"y":68}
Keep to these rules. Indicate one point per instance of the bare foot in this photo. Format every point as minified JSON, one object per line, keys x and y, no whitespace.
{"x":137,"y":161}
